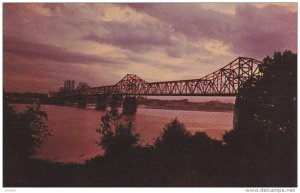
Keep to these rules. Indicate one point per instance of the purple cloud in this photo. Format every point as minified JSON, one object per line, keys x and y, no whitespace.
{"x":250,"y":31}
{"x":189,"y":19}
{"x":262,"y":31}
{"x":132,"y":36}
{"x":50,"y":52}
{"x":161,"y":37}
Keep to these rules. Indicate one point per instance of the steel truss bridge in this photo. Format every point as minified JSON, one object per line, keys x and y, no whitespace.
{"x":223,"y":82}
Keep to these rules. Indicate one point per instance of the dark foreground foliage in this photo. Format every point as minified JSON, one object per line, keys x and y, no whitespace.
{"x":259,"y":151}
{"x":263,"y":144}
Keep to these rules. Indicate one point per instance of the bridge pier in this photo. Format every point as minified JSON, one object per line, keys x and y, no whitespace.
{"x":101,"y":102}
{"x":129,"y":105}
{"x":81,"y":102}
{"x":236,"y":114}
{"x":115,"y":101}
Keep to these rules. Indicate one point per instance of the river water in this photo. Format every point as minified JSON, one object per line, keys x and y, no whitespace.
{"x":75,"y":138}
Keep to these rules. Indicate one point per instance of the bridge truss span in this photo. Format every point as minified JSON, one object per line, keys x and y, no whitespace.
{"x":223,"y":82}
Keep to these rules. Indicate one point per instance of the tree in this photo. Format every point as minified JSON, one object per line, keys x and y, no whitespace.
{"x":23,"y":134}
{"x":174,"y":141}
{"x":263,"y":142}
{"x":117,"y":138}
{"x":187,"y":159}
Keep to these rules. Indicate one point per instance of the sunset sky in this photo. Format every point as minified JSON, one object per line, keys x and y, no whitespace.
{"x":45,"y":44}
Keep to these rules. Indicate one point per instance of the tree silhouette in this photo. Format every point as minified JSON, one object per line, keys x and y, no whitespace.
{"x":23,"y":134}
{"x":116,"y":137}
{"x":262,"y":144}
{"x":187,"y":159}
{"x":174,"y":141}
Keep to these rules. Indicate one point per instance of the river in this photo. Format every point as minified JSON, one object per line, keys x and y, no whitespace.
{"x":74,"y":137}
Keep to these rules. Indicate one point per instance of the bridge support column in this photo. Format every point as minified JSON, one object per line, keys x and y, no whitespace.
{"x":238,"y":112}
{"x":130,"y":105}
{"x":82,"y":102}
{"x":115,"y":101}
{"x":235,"y":116}
{"x":101,"y":103}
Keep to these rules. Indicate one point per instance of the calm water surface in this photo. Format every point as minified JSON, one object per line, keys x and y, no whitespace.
{"x":74,"y":130}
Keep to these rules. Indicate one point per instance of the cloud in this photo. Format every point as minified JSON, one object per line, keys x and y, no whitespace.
{"x":50,"y":52}
{"x":190,"y":19}
{"x":262,"y":31}
{"x":250,"y":31}
{"x":33,"y":74}
{"x":99,"y":43}
{"x":131,"y":36}
{"x":142,"y":38}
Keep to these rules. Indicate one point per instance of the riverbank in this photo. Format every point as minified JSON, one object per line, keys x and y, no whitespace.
{"x":184,"y":109}
{"x":184,"y":104}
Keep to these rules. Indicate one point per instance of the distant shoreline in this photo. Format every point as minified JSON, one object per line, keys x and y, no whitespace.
{"x":148,"y":107}
{"x":181,"y":109}
{"x":142,"y":103}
